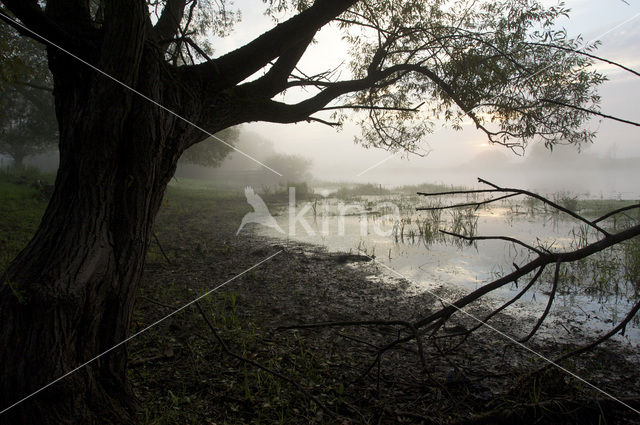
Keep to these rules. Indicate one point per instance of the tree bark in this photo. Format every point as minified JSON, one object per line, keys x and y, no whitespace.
{"x":69,"y":294}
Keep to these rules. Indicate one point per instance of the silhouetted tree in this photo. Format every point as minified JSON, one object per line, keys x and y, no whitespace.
{"x":294,"y":168}
{"x":69,"y":294}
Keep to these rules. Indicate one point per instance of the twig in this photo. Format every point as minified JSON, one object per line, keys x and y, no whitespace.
{"x":597,"y":342}
{"x":155,"y":236}
{"x":503,"y":238}
{"x":513,"y":192}
{"x":614,"y":212}
{"x":548,"y":202}
{"x":552,"y":297}
{"x":469,"y":204}
{"x":582,"y":52}
{"x":347,"y":323}
{"x":590,"y":111}
{"x":226,"y":349}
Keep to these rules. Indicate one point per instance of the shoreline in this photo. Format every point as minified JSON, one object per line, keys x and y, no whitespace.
{"x":181,"y":374}
{"x":308,"y":284}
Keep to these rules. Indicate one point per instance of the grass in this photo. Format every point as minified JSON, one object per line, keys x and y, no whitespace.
{"x":21,"y":209}
{"x":368,"y":189}
{"x":200,"y":383}
{"x":351,"y":191}
{"x":179,"y":371}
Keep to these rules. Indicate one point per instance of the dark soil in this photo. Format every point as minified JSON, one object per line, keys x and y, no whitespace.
{"x":182,"y":374}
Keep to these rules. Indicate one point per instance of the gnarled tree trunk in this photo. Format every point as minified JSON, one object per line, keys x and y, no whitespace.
{"x":69,"y":295}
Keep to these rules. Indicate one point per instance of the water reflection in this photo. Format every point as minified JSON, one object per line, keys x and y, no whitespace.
{"x":593,"y":294}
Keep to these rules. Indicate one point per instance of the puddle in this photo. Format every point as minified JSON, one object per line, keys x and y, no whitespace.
{"x":459,"y":268}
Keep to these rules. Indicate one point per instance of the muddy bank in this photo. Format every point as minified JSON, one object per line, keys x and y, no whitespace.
{"x":182,"y":374}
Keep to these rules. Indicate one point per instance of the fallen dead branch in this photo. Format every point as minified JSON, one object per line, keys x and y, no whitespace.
{"x":260,"y":366}
{"x":543,"y":257}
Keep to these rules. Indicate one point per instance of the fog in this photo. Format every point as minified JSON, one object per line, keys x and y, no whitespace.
{"x":608,"y":167}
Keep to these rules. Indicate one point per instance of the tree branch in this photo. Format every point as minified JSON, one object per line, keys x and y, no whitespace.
{"x":38,"y":26}
{"x":275,"y":80}
{"x":232,"y":68}
{"x":493,"y":238}
{"x":589,"y":111}
{"x":552,"y":296}
{"x":369,"y":107}
{"x":169,"y":23}
{"x":582,"y":52}
{"x":513,"y":192}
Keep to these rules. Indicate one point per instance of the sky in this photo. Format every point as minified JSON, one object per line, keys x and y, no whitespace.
{"x":604,"y":168}
{"x":616,"y":23}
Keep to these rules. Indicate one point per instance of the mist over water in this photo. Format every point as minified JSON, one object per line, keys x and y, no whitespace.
{"x":587,"y":173}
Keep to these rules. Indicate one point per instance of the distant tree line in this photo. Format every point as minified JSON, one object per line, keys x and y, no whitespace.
{"x":28,"y":123}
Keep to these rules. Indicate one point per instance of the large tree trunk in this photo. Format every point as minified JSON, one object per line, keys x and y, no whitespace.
{"x":69,"y":295}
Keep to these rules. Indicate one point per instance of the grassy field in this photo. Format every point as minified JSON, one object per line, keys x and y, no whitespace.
{"x":21,"y":209}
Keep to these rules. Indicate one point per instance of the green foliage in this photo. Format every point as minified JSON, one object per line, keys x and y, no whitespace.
{"x":487,"y":62}
{"x":27,"y":124}
{"x":21,"y":210}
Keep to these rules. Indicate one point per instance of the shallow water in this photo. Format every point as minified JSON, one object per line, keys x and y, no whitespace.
{"x":459,"y":268}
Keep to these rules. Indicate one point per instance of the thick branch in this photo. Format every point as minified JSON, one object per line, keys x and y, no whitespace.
{"x":279,"y":112}
{"x":169,"y":23}
{"x":232,"y":68}
{"x":38,"y":26}
{"x":275,"y":80}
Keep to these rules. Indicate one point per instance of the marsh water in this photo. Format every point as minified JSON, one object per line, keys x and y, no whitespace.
{"x":593,"y":295}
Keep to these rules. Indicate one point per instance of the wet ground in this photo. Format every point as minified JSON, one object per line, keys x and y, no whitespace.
{"x":182,"y":375}
{"x":444,"y":263}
